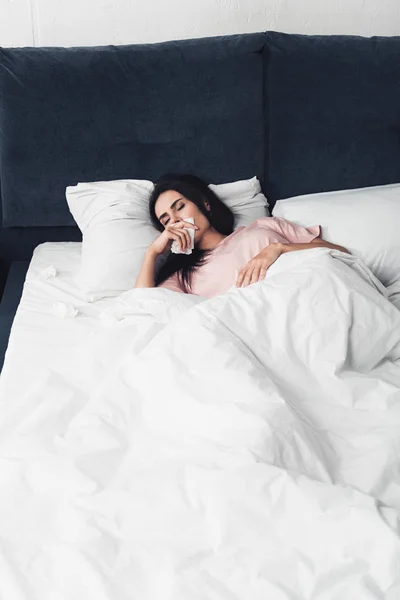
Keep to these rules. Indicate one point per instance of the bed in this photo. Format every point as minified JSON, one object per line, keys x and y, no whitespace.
{"x":162,"y":445}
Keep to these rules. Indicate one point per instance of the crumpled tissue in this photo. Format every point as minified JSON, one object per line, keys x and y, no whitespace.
{"x":175,"y":247}
{"x":49,"y":272}
{"x":110,"y":317}
{"x":64,"y":311}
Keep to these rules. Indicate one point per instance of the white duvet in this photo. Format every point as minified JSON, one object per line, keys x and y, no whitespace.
{"x":245,"y":447}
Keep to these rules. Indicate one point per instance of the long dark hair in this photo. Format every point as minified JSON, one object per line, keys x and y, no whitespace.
{"x":220,"y":217}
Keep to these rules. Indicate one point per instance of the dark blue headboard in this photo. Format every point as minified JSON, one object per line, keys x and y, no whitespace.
{"x":333,"y":105}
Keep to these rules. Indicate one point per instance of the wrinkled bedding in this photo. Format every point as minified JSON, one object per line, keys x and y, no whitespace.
{"x":242,"y":447}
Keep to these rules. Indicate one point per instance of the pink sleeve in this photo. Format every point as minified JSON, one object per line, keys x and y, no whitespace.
{"x":296,"y":234}
{"x":172,"y":283}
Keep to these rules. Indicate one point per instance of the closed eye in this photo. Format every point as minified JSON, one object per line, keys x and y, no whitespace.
{"x":167,"y":220}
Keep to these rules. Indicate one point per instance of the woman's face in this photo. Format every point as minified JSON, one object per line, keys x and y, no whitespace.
{"x":172,"y":207}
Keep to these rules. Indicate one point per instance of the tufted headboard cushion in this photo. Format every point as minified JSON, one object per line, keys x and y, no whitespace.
{"x":333,"y":113}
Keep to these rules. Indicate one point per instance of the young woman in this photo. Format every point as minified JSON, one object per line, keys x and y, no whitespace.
{"x":221,"y":257}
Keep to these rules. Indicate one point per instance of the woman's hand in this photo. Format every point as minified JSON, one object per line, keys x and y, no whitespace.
{"x":177,"y":231}
{"x":256,"y":268}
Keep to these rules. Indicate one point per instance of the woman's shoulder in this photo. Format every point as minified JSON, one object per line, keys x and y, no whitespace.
{"x":243,"y":230}
{"x":291,"y":231}
{"x":262,"y":222}
{"x":272,"y":223}
{"x":253,"y":228}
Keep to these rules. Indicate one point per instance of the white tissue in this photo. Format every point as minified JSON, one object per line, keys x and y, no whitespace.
{"x":175,"y":247}
{"x":110,"y":317}
{"x":49,"y":272}
{"x":64,"y":311}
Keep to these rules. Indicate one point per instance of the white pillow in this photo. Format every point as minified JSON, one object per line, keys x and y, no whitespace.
{"x":244,"y":198}
{"x":116,"y":227}
{"x":366,"y":221}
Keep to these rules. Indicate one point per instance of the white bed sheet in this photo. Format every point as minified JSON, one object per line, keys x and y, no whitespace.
{"x":41,"y":337}
{"x":394,"y":293}
{"x":160,"y":445}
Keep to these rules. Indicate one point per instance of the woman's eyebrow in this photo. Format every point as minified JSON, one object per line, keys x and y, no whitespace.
{"x":172,"y":206}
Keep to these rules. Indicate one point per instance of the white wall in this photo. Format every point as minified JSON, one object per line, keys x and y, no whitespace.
{"x":98,"y":22}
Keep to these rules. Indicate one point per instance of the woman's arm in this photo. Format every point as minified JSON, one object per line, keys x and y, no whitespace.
{"x":175,"y":232}
{"x":317,"y":243}
{"x":256,"y":269}
{"x":145,"y":279}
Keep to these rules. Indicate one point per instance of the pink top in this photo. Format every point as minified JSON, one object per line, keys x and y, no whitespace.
{"x":220,"y":271}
